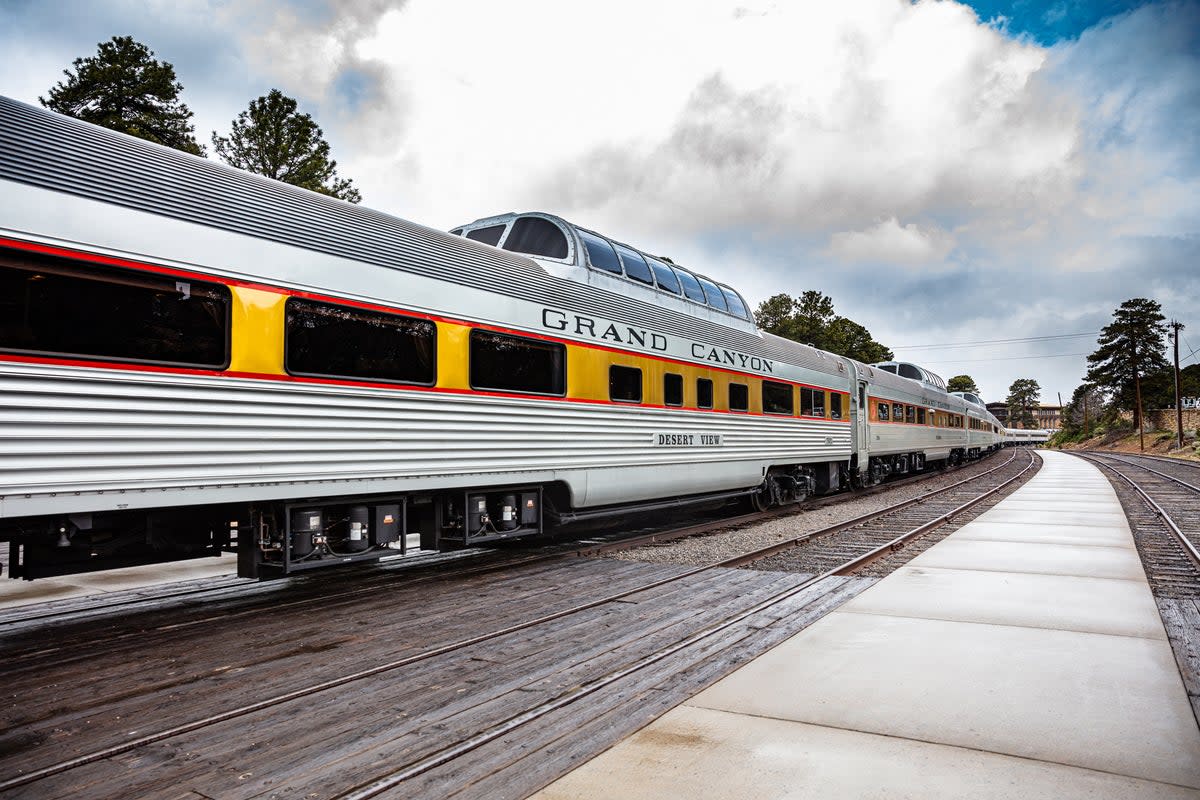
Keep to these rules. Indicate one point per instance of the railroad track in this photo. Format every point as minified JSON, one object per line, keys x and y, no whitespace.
{"x":170,"y":598}
{"x":855,"y":545}
{"x":738,"y":614}
{"x":1162,"y":502}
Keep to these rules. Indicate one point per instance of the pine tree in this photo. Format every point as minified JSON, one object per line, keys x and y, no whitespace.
{"x":810,"y":319}
{"x":1083,"y":411}
{"x":123,"y":87}
{"x":1023,"y":396}
{"x":962,"y":383}
{"x":272,"y":138}
{"x":1129,"y":348}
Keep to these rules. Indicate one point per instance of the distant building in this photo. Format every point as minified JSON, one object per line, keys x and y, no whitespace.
{"x":1049,"y":417}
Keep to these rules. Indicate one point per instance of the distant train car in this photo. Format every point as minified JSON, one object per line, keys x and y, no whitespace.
{"x":1020,"y":437}
{"x":913,"y":419}
{"x":984,"y":428}
{"x":195,"y":359}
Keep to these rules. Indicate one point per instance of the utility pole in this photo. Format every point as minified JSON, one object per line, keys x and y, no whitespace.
{"x":1137,"y":382}
{"x":1178,"y":397}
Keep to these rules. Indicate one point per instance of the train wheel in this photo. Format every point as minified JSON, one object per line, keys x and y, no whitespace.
{"x":762,"y":498}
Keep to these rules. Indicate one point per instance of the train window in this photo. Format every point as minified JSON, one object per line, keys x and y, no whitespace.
{"x":704,"y":393}
{"x":835,"y":405}
{"x":600,"y":252}
{"x":736,"y":306}
{"x":625,"y":384}
{"x":920,"y":416}
{"x":812,"y":402}
{"x":664,"y":275}
{"x":712,"y":294}
{"x":910,"y":414}
{"x":672,"y":389}
{"x":883,"y":412}
{"x":635,"y":265}
{"x":59,"y":306}
{"x":537,"y":237}
{"x":739,"y":397}
{"x":778,"y":398}
{"x":330,"y":340}
{"x":515,"y":364}
{"x":897,"y":412}
{"x":909,"y":371}
{"x":691,"y":287}
{"x":456,"y":232}
{"x":489,"y":235}
{"x":888,"y":368}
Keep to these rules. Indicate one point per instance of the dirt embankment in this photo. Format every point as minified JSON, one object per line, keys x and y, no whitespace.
{"x":1161,"y":443}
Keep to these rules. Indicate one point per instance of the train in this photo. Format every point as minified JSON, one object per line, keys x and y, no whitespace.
{"x":1021,"y":437}
{"x":197,"y":360}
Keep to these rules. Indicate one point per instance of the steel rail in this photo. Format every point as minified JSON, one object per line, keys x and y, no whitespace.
{"x":307,"y":691}
{"x":780,"y":547}
{"x":396,"y":564}
{"x":657,"y":537}
{"x":921,"y":530}
{"x":1181,"y":538}
{"x":1187,"y":462}
{"x":391,"y":780}
{"x":1126,"y":460}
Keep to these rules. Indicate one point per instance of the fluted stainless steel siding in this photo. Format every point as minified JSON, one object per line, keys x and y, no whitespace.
{"x":67,"y":430}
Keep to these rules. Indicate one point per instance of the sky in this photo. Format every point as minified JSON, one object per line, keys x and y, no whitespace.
{"x":980,"y":185}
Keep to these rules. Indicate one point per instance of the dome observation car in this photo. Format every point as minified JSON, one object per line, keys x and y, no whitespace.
{"x":906,"y":370}
{"x":551,"y":239}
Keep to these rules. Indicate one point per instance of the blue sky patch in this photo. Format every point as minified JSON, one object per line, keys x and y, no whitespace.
{"x":1049,"y":22}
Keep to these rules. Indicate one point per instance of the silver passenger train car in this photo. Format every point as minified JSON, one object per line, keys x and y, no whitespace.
{"x":195,"y":359}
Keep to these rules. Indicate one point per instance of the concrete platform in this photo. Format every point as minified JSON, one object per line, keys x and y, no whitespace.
{"x":1022,"y":657}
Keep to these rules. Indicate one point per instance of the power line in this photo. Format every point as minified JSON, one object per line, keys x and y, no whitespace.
{"x":1012,"y":358}
{"x":1189,"y":346}
{"x":997,"y":341}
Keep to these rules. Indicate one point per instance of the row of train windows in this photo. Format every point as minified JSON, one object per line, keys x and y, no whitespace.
{"x":50,"y":306}
{"x":980,"y":425}
{"x":625,"y":385}
{"x":916,"y":415}
{"x":541,"y":237}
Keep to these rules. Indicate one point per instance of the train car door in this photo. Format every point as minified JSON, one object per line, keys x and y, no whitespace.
{"x":861,"y":432}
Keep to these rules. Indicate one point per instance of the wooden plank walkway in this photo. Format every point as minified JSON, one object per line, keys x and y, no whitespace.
{"x":99,"y":686}
{"x":1181,"y":617}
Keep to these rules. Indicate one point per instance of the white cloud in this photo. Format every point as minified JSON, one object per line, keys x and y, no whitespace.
{"x":796,"y":116}
{"x":890,"y":243}
{"x":779,"y":147}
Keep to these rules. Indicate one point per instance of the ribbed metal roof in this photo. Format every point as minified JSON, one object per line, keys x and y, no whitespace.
{"x":48,"y":150}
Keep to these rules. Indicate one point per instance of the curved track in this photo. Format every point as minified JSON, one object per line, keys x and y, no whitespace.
{"x":1165,"y":517}
{"x":363,"y":579}
{"x":731,"y":619}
